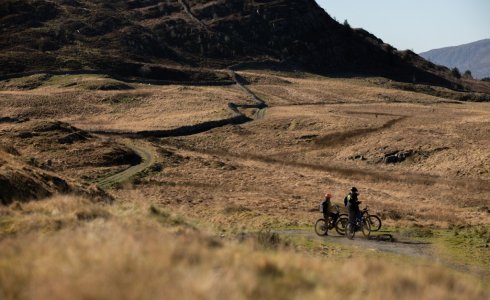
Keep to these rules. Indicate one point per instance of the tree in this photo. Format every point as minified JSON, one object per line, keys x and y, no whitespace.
{"x":456,"y":73}
{"x":346,"y":24}
{"x":467,"y":74}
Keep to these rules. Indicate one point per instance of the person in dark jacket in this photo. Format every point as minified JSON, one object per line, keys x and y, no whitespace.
{"x":353,"y":202}
{"x":326,"y":207}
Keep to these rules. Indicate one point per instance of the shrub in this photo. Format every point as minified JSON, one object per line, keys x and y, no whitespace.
{"x":268,"y":240}
{"x":455,"y":72}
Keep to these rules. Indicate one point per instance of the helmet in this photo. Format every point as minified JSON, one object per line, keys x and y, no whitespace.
{"x":327,"y":195}
{"x":354,"y":190}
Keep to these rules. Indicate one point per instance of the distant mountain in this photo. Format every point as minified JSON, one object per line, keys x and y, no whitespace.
{"x":474,"y":57}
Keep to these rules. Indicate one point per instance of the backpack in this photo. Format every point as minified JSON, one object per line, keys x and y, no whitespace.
{"x":345,"y":201}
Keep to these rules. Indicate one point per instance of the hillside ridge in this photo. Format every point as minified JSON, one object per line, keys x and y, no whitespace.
{"x":474,"y":57}
{"x":156,"y":39}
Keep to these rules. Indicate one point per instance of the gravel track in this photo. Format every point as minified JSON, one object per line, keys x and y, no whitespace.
{"x":148,"y":158}
{"x":385,"y":242}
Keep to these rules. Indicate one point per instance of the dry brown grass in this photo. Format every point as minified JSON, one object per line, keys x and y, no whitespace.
{"x":270,"y":173}
{"x":147,"y":107}
{"x":65,"y":150}
{"x":283,"y":89}
{"x":285,"y":162}
{"x":47,"y":216}
{"x":281,"y":164}
{"x":131,"y":256}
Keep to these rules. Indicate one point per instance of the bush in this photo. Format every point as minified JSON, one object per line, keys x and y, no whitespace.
{"x":268,"y":240}
{"x":455,"y":72}
{"x":418,"y":232}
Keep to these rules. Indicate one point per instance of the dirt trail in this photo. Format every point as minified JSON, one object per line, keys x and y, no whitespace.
{"x":148,"y":158}
{"x":402,"y":247}
{"x":414,"y":249}
{"x":188,"y":11}
{"x":147,"y":154}
{"x":240,"y":82}
{"x":260,"y":105}
{"x":237,"y":117}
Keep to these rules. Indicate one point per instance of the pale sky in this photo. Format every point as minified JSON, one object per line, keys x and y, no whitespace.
{"x":419,"y":25}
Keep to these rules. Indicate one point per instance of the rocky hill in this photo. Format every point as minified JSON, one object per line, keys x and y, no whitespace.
{"x":473,"y":56}
{"x":163,"y":39}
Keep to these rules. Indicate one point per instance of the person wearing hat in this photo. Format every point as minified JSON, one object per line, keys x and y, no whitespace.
{"x":352,"y":202}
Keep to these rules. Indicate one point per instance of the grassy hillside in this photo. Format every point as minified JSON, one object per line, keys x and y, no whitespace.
{"x":228,"y":212}
{"x":174,"y":40}
{"x":130,"y":250}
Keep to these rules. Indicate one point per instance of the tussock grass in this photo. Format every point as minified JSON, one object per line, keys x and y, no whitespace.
{"x":49,"y":215}
{"x":267,"y":240}
{"x":233,"y":209}
{"x":147,"y":263}
{"x":140,"y":247}
{"x":130,"y":255}
{"x":417,"y":232}
{"x":167,"y":218}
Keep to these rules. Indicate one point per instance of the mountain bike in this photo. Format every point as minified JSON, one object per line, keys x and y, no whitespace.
{"x":341,"y":224}
{"x":361,"y":224}
{"x":374,"y":220}
{"x":322,"y":226}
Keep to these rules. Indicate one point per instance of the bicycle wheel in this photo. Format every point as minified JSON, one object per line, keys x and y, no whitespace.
{"x":321,"y":227}
{"x":341,"y":224}
{"x":366,"y":228}
{"x":350,"y":231}
{"x":375,"y":222}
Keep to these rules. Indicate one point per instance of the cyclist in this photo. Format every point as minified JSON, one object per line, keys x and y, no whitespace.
{"x":326,"y":208}
{"x":352,"y":202}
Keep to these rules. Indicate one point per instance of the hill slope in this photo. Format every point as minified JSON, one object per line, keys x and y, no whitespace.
{"x":473,"y":56}
{"x":124,"y":36}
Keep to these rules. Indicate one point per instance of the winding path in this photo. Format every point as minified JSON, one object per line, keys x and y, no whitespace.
{"x":237,"y":117}
{"x":147,"y":155}
{"x":148,"y":158}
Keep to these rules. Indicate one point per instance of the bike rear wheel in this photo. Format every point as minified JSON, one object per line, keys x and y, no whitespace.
{"x":375,"y":222}
{"x":366,"y":228}
{"x":321,"y":227}
{"x":350,"y":231}
{"x":341,"y":224}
